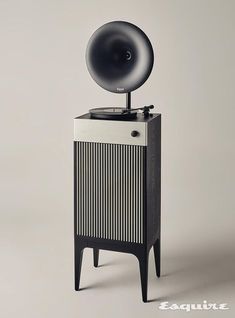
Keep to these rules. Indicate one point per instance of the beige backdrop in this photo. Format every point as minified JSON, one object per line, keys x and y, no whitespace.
{"x":44,"y":85}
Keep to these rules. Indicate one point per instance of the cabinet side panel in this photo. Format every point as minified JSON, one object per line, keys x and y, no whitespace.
{"x":153,"y":167}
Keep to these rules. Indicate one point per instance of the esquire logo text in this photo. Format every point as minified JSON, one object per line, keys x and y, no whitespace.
{"x":188,"y":307}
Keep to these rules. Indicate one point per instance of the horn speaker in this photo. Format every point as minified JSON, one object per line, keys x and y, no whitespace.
{"x":119,"y":57}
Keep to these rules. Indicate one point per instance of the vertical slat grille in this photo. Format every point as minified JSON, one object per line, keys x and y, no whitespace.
{"x":109,"y":184}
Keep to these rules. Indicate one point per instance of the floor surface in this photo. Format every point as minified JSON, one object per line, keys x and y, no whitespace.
{"x":37,"y":276}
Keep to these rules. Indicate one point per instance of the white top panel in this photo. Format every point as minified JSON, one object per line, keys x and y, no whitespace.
{"x":110,"y":131}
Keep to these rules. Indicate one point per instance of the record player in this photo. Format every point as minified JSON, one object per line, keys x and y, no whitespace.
{"x":117,"y":155}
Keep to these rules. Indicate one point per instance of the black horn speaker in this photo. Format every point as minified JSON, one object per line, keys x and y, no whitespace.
{"x":119,"y":57}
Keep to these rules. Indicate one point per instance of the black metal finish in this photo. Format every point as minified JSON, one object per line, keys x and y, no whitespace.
{"x":144,"y":109}
{"x":151,"y":189}
{"x":119,"y":57}
{"x":96,"y":256}
{"x":134,"y":133}
{"x":139,"y":250}
{"x":157,"y":255}
{"x":128,"y":100}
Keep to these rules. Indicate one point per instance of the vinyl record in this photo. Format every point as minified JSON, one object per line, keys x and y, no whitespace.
{"x":112,"y":113}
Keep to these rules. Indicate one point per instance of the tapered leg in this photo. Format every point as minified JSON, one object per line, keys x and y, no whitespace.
{"x":78,"y":265}
{"x":157,"y":256}
{"x":96,"y":256}
{"x":143,"y":263}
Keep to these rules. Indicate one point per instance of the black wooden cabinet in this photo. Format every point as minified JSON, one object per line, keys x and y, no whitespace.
{"x":117,"y":189}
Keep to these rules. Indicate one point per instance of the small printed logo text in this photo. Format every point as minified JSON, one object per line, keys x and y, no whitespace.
{"x":188,"y":307}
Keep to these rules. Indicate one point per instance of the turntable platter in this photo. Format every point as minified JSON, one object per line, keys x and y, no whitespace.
{"x":112,"y":113}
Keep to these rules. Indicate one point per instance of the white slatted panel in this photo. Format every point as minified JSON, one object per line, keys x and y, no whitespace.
{"x":110,"y":191}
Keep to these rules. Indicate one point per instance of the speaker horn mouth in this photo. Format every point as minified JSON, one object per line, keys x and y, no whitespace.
{"x":128,"y":55}
{"x":122,"y":56}
{"x":119,"y":57}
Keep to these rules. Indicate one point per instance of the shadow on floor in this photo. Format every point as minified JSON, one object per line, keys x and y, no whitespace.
{"x":183,"y":274}
{"x":200,"y":271}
